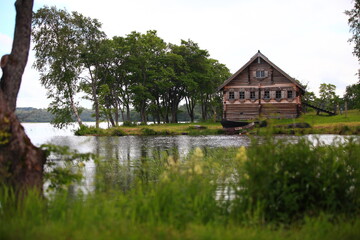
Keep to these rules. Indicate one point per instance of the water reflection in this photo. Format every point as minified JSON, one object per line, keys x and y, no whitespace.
{"x":123,"y":158}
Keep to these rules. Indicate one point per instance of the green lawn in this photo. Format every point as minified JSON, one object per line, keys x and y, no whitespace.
{"x":321,"y":124}
{"x":159,"y":129}
{"x":353,"y":116}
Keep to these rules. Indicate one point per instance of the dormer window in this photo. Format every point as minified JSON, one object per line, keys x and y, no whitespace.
{"x":260,"y":73}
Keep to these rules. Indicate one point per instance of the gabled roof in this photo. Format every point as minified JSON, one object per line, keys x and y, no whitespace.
{"x":259,"y":54}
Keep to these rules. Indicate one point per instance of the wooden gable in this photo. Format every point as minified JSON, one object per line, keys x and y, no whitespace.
{"x":246,"y":76}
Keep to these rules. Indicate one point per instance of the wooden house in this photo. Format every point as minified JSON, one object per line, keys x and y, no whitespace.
{"x":261,"y":89}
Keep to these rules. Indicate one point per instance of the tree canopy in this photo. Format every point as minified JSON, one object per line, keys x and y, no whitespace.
{"x":139,"y":70}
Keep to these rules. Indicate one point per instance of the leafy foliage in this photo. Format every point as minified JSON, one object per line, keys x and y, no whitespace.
{"x":56,"y":54}
{"x":282,"y":182}
{"x":139,"y":70}
{"x":63,"y":166}
{"x":354,"y":23}
{"x":352,"y":96}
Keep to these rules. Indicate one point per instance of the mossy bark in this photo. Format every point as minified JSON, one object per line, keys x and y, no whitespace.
{"x":21,"y":163}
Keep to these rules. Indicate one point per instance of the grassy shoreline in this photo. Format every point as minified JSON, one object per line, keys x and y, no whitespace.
{"x":320,"y":124}
{"x":278,"y":191}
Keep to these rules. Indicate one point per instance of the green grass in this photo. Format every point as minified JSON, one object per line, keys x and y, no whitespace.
{"x":155,"y":129}
{"x":278,"y":191}
{"x":320,"y":124}
{"x":313,"y":119}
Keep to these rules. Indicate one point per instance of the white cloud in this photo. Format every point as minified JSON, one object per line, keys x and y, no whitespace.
{"x":306,"y":38}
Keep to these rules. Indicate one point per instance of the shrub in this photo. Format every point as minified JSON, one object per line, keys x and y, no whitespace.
{"x":344,"y":130}
{"x":283,"y":182}
{"x":117,"y":132}
{"x":85,"y":130}
{"x":148,"y":131}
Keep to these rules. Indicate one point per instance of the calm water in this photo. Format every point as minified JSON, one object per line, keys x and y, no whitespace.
{"x":126,"y":150}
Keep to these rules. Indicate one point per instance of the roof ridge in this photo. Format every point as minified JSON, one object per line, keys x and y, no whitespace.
{"x":259,"y":54}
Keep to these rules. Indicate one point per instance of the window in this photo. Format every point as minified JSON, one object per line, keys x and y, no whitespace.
{"x":231,"y":96}
{"x":252,"y":95}
{"x":241,"y":95}
{"x":290,"y":94}
{"x":260,"y":74}
{"x":278,"y":94}
{"x":267,"y":94}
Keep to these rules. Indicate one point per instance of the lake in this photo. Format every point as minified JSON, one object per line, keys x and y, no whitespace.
{"x":125,"y":151}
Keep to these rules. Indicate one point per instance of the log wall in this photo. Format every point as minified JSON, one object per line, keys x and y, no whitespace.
{"x":240,"y":109}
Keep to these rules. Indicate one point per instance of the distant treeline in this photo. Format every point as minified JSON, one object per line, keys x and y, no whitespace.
{"x":29,"y":114}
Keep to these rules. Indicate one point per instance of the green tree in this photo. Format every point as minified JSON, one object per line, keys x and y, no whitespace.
{"x":88,"y":40}
{"x":145,"y":50}
{"x":354,"y":23}
{"x":119,"y":78}
{"x":352,"y":96}
{"x":210,"y":100}
{"x":194,"y":72}
{"x":57,"y":59}
{"x":328,"y":97}
{"x":310,"y":97}
{"x":171,"y":87}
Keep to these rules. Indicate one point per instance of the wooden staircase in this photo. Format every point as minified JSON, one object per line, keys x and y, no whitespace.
{"x":319,"y":109}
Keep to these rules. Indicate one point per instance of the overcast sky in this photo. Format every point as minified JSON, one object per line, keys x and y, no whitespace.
{"x":308,"y":39}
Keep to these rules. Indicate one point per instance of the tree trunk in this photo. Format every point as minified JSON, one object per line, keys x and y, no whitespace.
{"x":21,"y":163}
{"x":110,"y":117}
{"x":116,"y":116}
{"x":174,"y":110}
{"x":190,"y":105}
{"x":96,"y":106}
{"x":76,"y":113}
{"x":94,"y":96}
{"x":128,"y":113}
{"x":143,"y":113}
{"x":73,"y":106}
{"x":13,"y":65}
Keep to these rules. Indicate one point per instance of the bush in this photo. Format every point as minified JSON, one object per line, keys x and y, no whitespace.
{"x":284,"y":182}
{"x":117,"y":132}
{"x":345,"y":130}
{"x":148,"y":132}
{"x":85,"y":130}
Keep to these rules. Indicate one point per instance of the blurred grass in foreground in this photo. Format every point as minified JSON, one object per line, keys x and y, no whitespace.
{"x":270,"y":190}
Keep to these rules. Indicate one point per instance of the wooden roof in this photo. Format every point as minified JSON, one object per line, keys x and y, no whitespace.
{"x":259,"y":54}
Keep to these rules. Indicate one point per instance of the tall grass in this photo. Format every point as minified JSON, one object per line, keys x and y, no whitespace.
{"x":270,"y":190}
